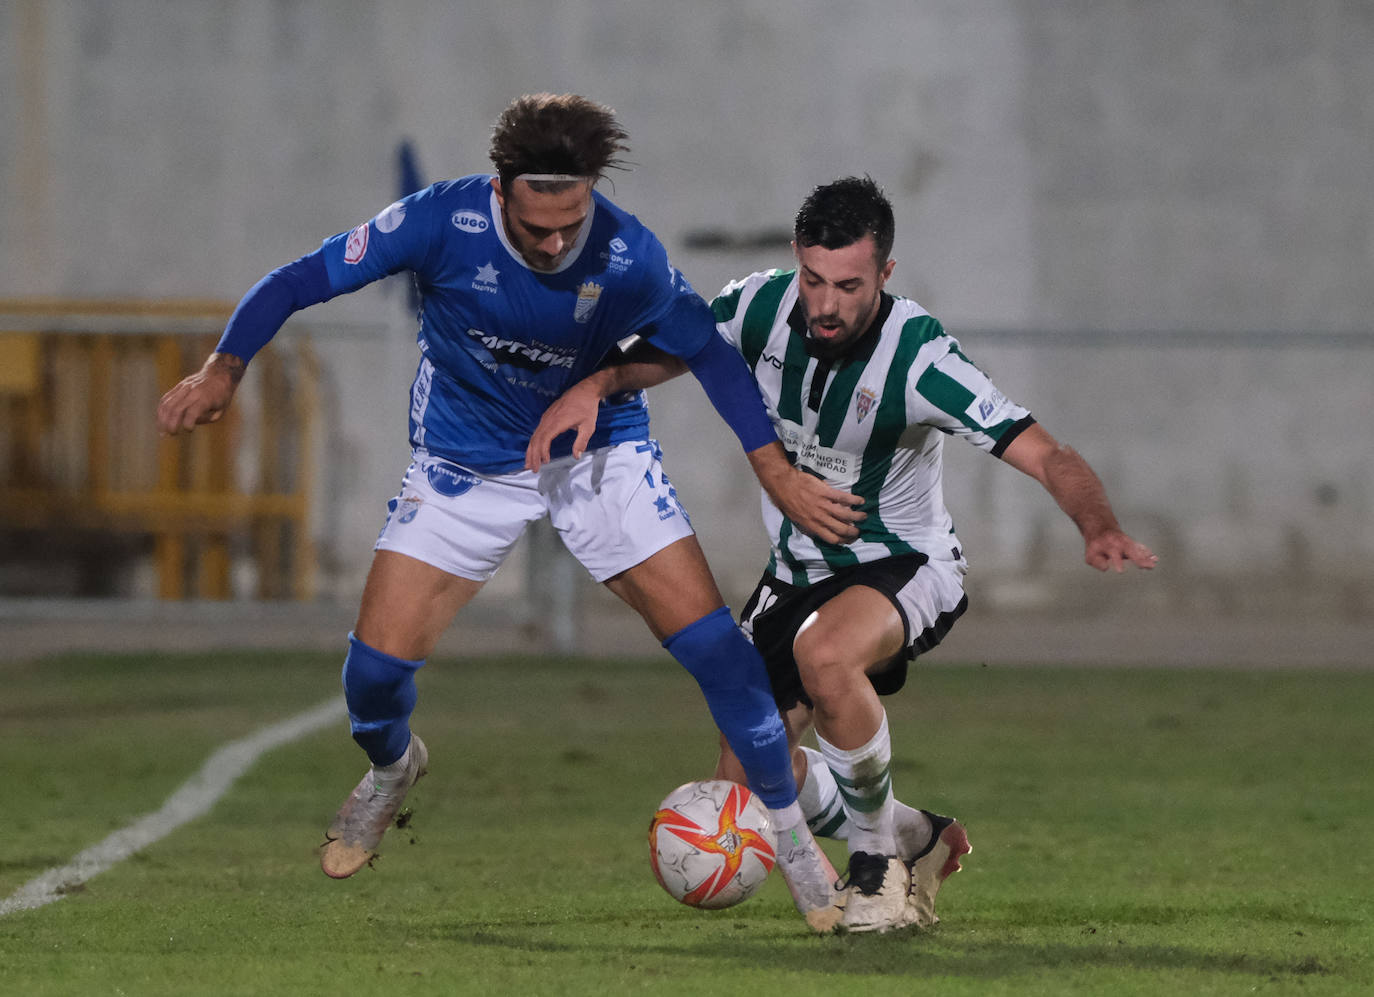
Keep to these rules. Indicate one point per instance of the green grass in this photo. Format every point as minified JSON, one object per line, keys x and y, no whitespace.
{"x":1135,"y":832}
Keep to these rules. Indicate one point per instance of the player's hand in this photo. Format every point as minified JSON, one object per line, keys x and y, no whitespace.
{"x":202,"y":397}
{"x":575,"y":409}
{"x":816,"y":508}
{"x":1114,"y":549}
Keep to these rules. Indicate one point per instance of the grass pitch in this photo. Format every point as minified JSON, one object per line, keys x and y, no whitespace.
{"x":1134,"y":832}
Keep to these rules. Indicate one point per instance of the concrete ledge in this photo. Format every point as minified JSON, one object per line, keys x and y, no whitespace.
{"x":36,"y":628}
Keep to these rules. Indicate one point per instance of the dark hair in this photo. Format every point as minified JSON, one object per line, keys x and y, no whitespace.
{"x":842,"y":212}
{"x":556,"y":133}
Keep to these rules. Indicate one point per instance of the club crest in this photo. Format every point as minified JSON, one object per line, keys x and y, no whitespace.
{"x":588,"y":295}
{"x":863,"y":402}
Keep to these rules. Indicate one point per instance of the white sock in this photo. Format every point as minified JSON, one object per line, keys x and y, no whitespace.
{"x":864,"y":776}
{"x":820,"y":800}
{"x":787,"y":817}
{"x":388,"y":777}
{"x":912,"y":829}
{"x":819,"y":797}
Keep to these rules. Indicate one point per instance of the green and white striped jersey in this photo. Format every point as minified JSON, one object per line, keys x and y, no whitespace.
{"x":872,"y":422}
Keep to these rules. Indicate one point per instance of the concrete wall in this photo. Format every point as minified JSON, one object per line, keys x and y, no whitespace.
{"x":1114,"y":169}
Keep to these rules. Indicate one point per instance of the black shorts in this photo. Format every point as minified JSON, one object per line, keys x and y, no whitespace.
{"x":787,"y":607}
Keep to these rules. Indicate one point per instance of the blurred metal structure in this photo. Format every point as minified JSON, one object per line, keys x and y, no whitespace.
{"x":82,"y":469}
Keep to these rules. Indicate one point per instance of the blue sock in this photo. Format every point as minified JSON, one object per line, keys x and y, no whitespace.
{"x":380,"y":692}
{"x":734,"y":681}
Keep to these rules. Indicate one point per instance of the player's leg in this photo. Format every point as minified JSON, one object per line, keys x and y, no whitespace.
{"x":619,"y":516}
{"x":795,"y":721}
{"x":855,"y":630}
{"x":673,"y":586}
{"x":930,"y":845}
{"x":448,"y":531}
{"x":929,"y":598}
{"x":406,"y":605}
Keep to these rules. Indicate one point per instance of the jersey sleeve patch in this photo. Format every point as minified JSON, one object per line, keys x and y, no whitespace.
{"x":390,"y":219}
{"x":989,"y":408}
{"x":355,"y":248}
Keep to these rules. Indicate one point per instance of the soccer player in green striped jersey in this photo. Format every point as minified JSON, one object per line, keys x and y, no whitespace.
{"x":863,"y":387}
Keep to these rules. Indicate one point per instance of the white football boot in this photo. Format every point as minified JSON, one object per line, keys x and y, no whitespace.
{"x":931,"y":866}
{"x":876,"y":889}
{"x":357,"y":829}
{"x":811,"y":879}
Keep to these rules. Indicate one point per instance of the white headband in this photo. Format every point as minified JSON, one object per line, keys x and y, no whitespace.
{"x":552,"y":177}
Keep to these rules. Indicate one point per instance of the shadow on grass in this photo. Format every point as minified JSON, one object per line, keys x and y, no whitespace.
{"x":779,"y":946}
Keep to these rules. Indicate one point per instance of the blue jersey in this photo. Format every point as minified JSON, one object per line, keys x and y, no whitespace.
{"x":500,"y":341}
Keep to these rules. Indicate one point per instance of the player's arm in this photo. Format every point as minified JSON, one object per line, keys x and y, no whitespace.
{"x":811,"y":504}
{"x":1078,"y":491}
{"x":204,"y":396}
{"x":635,"y":366}
{"x":343,"y":263}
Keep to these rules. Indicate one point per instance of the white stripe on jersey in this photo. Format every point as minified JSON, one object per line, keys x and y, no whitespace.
{"x":419,"y":399}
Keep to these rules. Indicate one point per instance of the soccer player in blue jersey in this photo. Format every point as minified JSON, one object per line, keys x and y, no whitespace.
{"x":528,"y":279}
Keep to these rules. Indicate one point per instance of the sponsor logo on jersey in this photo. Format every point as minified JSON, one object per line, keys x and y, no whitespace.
{"x":616,"y":261}
{"x":390,"y":219}
{"x":836,"y":466}
{"x":588,"y":294}
{"x":986,"y":406}
{"x":449,"y":479}
{"x":471,"y":222}
{"x":355,"y":248}
{"x":863,"y":402}
{"x":486,"y":279}
{"x":533,"y":356}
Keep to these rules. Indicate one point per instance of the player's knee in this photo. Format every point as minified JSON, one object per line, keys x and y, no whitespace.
{"x":717,"y":654}
{"x":826,"y":667}
{"x":380,"y":692}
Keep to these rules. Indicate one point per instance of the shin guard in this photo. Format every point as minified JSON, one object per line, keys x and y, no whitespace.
{"x":380,"y":692}
{"x":735,"y":683}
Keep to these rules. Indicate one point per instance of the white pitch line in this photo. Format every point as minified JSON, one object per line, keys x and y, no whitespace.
{"x":193,"y":799}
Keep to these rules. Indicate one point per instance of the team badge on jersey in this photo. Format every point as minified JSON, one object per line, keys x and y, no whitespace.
{"x":588,"y":295}
{"x":863,"y":402}
{"x":356,"y":246}
{"x":409,"y":506}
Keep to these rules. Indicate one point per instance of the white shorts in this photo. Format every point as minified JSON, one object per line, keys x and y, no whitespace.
{"x":613,"y":509}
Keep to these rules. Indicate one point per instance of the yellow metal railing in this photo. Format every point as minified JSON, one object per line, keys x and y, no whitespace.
{"x":79,"y":385}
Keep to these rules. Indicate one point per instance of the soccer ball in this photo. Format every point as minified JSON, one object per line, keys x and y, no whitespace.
{"x":712,"y":844}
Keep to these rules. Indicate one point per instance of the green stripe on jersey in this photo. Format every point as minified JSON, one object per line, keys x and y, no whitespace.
{"x":794,"y":366}
{"x":727,"y":302}
{"x":839,"y":395}
{"x":889,"y":422}
{"x":758,"y":317}
{"x":944,"y":392}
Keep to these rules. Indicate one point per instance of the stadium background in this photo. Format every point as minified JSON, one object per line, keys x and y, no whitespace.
{"x":1151,"y":222}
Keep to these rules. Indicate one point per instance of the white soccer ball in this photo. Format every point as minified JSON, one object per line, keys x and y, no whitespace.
{"x":712,"y":844}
